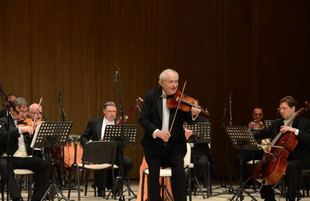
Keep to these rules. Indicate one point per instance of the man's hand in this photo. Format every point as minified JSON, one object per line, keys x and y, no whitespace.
{"x":283,"y":129}
{"x":188,"y":133}
{"x":164,"y":135}
{"x":26,"y":129}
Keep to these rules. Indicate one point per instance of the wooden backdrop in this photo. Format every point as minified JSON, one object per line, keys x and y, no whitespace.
{"x":255,"y":50}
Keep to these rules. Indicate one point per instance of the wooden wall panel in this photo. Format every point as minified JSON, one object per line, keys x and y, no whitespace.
{"x":257,"y":51}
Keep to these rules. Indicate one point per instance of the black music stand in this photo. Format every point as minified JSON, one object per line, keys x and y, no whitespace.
{"x":114,"y":133}
{"x":50,"y":135}
{"x":242,"y":139}
{"x":202,"y":133}
{"x":267,"y":122}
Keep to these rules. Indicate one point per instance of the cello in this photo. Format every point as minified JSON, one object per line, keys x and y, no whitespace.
{"x":274,"y":163}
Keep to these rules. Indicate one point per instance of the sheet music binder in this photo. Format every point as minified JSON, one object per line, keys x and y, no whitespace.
{"x":50,"y":131}
{"x":113,"y":133}
{"x":241,"y":136}
{"x":202,"y":131}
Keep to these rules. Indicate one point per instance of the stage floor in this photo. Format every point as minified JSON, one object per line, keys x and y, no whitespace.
{"x":218,"y":193}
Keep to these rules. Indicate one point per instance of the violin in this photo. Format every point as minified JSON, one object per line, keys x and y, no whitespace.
{"x":184,"y":103}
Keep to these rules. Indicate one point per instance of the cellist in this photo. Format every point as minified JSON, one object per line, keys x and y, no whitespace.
{"x":298,"y":159}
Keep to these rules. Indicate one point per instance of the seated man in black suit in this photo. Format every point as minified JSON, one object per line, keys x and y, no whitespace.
{"x":6,"y":170}
{"x":298,"y":159}
{"x":95,"y":131}
{"x":18,"y":152}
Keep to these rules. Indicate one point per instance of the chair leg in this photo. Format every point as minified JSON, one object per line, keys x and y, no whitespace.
{"x":86,"y":181}
{"x":70,"y":182}
{"x":142,"y":189}
{"x":78,"y":182}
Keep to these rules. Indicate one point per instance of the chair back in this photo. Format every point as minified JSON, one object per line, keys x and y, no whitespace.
{"x":99,"y":152}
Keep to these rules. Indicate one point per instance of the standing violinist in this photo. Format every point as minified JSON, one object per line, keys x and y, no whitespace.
{"x":18,"y":149}
{"x":165,"y":146}
{"x":298,"y":159}
{"x":95,"y":131}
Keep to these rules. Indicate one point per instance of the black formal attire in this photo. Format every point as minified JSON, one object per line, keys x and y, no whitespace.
{"x":7,"y":172}
{"x":41,"y":168}
{"x":157,"y":152}
{"x":102,"y":179}
{"x":298,"y":158}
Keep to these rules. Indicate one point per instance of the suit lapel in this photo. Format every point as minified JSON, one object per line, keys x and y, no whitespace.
{"x":159,"y":104}
{"x":99,"y":128}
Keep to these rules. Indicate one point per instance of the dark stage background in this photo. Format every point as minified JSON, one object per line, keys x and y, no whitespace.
{"x":257,"y":50}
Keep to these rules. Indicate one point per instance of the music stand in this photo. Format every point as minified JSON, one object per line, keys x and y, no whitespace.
{"x":51,"y":134}
{"x":114,"y":133}
{"x":202,"y":133}
{"x":242,"y":139}
{"x":267,"y":122}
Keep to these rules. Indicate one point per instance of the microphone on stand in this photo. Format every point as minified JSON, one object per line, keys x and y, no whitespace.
{"x":59,"y":97}
{"x":116,"y":75}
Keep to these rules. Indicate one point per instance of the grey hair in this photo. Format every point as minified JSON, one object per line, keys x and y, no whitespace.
{"x":20,"y":101}
{"x":108,"y":103}
{"x":163,"y":75}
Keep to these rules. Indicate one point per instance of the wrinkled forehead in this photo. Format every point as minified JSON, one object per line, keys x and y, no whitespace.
{"x":258,"y":111}
{"x":110,"y":108}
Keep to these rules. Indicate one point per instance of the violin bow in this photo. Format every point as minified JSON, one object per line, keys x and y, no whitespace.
{"x":176,"y":111}
{"x":35,"y":116}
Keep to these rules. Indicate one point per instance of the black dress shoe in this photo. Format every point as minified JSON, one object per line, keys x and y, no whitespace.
{"x":18,"y":199}
{"x":101,"y":192}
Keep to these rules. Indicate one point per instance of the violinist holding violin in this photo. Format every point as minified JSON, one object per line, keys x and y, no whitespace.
{"x":164,"y":141}
{"x":298,"y":158}
{"x":19,"y":150}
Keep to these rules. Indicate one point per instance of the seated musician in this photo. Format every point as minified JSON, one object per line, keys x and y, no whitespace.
{"x":200,"y":156}
{"x":18,"y":149}
{"x":8,"y":105}
{"x":35,"y":114}
{"x":256,"y":124}
{"x":95,"y":131}
{"x":298,"y":159}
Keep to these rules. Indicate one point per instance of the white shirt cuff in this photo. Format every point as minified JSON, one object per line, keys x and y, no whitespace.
{"x":296,"y":131}
{"x":154,"y":133}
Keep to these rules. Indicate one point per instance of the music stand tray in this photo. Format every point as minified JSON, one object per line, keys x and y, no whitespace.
{"x":241,"y":137}
{"x":201,"y":130}
{"x":114,"y":133}
{"x":49,"y":134}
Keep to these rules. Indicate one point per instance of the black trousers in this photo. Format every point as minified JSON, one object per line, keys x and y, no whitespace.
{"x":7,"y":173}
{"x":104,"y":178}
{"x":41,"y":170}
{"x":170,"y":157}
{"x":291,"y":180}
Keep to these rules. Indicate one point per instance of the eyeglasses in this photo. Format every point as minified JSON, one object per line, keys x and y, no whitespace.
{"x":283,"y":108}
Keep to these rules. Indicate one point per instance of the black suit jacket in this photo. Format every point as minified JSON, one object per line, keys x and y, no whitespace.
{"x":92,"y":131}
{"x":14,"y":135}
{"x":151,"y":119}
{"x":302,"y":150}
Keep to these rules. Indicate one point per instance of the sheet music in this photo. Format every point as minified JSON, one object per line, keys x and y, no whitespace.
{"x":35,"y":135}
